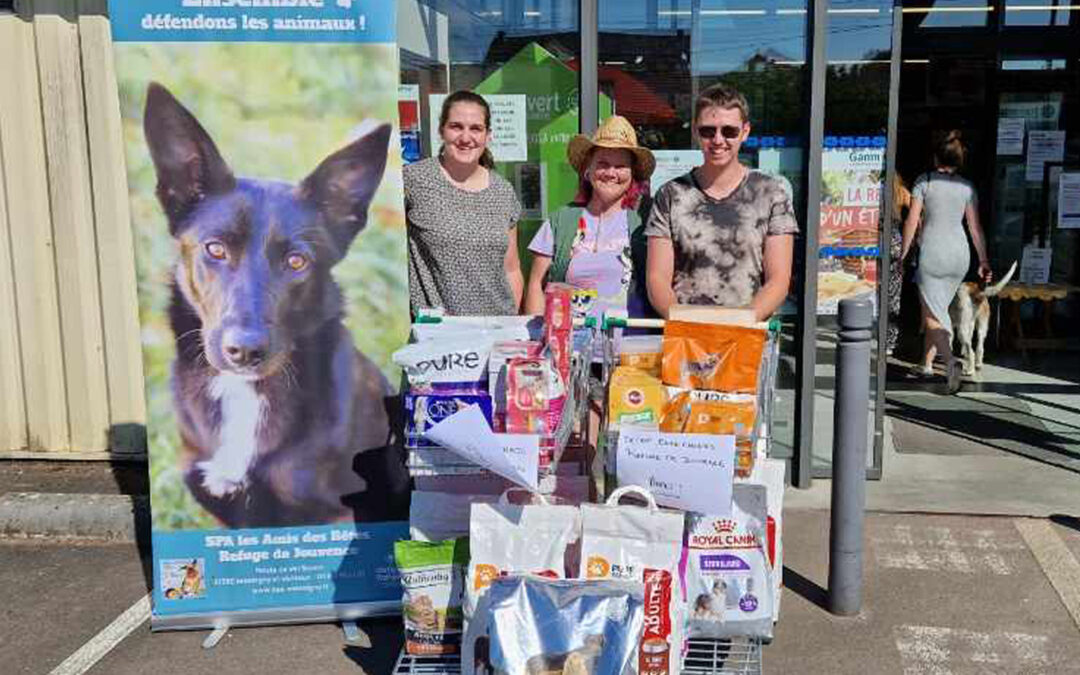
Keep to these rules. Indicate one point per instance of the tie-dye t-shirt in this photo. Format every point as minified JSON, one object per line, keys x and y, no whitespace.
{"x":720,"y":243}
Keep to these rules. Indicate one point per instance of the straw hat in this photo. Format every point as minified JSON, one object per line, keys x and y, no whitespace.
{"x":615,"y":132}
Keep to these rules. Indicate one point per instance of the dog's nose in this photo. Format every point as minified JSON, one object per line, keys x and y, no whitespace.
{"x":245,"y":348}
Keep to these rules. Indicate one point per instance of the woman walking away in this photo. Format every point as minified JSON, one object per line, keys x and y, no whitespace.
{"x":462,"y":220}
{"x":944,"y":201}
{"x":598,"y":242}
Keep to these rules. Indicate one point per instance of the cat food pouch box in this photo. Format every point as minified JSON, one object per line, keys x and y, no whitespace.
{"x":423,"y":411}
{"x":501,"y":353}
{"x":643,"y":544}
{"x":528,"y":394}
{"x":727,"y":577}
{"x":710,"y":356}
{"x":433,"y":583}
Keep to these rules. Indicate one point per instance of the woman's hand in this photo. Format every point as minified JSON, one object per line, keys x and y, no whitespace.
{"x":985,"y":273}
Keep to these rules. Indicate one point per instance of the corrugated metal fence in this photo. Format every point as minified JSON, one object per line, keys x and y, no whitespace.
{"x":70,"y":361}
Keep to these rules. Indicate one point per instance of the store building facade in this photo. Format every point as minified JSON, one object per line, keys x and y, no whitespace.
{"x":844,"y":95}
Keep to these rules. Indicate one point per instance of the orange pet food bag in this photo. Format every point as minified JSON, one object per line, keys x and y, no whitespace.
{"x":714,"y":357}
{"x":727,"y":418}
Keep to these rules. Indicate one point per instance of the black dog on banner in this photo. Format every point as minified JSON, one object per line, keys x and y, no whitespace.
{"x":273,"y":401}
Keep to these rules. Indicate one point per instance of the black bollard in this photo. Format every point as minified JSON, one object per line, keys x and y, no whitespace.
{"x":852,"y":406}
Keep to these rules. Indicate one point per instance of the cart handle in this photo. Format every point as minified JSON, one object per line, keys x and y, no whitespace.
{"x":623,"y":322}
{"x":587,"y":322}
{"x":613,"y":500}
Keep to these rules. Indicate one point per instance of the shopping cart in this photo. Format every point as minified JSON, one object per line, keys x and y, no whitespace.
{"x":571,"y":428}
{"x":735,"y":656}
{"x":608,"y":440}
{"x":706,"y":656}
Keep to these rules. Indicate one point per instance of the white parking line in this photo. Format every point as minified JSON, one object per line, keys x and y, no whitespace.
{"x":945,"y":549}
{"x":936,"y":650}
{"x":1056,"y":560}
{"x":102,"y":643}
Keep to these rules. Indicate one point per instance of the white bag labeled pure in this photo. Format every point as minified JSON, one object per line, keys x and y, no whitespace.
{"x":507,"y":539}
{"x":642,"y":544}
{"x":728,"y":583}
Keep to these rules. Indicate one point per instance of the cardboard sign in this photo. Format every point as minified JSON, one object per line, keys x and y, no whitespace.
{"x":692,"y":472}
{"x":515,"y":457}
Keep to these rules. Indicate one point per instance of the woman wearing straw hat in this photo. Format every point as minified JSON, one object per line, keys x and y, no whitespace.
{"x":597,"y":242}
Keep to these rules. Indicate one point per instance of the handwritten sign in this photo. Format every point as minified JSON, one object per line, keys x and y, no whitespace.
{"x":692,"y":472}
{"x":515,"y":457}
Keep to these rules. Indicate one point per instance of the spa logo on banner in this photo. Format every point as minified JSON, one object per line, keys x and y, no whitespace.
{"x":264,"y":173}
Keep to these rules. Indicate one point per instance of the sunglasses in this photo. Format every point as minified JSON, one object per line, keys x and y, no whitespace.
{"x":728,"y":131}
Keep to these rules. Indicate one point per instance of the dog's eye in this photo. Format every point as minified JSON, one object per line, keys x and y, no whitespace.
{"x":216,"y":250}
{"x":296,"y":261}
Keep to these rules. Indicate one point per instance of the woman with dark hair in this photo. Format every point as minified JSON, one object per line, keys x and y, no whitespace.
{"x":944,"y":201}
{"x":462,"y":220}
{"x":598,"y":242}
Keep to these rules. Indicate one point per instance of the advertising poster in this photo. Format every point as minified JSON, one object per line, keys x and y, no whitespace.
{"x":264,"y":174}
{"x":409,"y":116}
{"x":853,"y":172}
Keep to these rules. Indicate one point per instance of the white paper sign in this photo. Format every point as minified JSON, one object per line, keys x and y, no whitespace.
{"x":509,"y":130}
{"x":671,"y":164}
{"x":1043,"y":147}
{"x":1069,"y":201}
{"x":515,"y":457}
{"x":1035,"y":265}
{"x":1010,"y":137}
{"x":692,"y":472}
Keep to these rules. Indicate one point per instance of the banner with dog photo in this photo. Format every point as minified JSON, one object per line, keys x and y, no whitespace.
{"x":264,"y":171}
{"x":853,"y":173}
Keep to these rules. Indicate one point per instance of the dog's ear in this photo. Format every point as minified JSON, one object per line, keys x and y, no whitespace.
{"x":342,"y":186}
{"x":188,"y":164}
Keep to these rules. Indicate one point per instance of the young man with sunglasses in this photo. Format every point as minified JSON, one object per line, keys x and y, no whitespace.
{"x":722,"y":234}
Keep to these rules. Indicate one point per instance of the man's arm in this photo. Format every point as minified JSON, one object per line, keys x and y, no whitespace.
{"x":660,"y":274}
{"x":779,"y":251}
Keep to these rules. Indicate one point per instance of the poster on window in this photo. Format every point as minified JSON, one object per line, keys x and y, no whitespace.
{"x":853,"y":172}
{"x":264,"y":174}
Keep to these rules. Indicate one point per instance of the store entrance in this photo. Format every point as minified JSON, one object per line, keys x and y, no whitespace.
{"x":1012,"y":92}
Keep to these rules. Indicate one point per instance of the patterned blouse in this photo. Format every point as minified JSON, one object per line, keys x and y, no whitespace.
{"x":458,"y":241}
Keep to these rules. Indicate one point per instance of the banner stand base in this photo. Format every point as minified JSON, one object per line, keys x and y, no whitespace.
{"x":223,"y":621}
{"x":215,"y":636}
{"x":355,"y":636}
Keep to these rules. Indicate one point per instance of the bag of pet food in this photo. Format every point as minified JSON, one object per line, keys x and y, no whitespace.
{"x":458,"y":365}
{"x":518,"y":539}
{"x":534,"y":626}
{"x":727,"y":578}
{"x":635,"y":398}
{"x":642,"y":352}
{"x":708,"y":356}
{"x":433,"y":580}
{"x":644,"y":544}
{"x":710,"y":412}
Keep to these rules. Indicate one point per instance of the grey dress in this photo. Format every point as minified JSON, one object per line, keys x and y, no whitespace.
{"x":944,"y":255}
